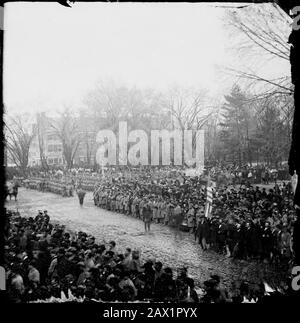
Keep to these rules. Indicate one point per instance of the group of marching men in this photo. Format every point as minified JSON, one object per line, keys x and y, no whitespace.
{"x":45,"y":185}
{"x":66,"y":190}
{"x":149,"y":207}
{"x":64,"y":186}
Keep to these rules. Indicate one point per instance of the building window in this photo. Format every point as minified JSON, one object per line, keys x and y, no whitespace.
{"x":54,"y":148}
{"x":52,"y":137}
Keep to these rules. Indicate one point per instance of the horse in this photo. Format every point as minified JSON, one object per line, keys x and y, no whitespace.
{"x":12,"y":190}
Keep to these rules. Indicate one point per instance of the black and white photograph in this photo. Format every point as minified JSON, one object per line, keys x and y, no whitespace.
{"x":150,"y":154}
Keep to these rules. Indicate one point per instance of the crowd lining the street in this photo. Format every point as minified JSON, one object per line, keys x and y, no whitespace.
{"x":44,"y":260}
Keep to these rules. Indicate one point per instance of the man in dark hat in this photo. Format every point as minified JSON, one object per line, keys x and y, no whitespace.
{"x":81,"y":195}
{"x":179,"y":216}
{"x":147,"y":217}
{"x":165,"y":287}
{"x":46,"y":216}
{"x":158,"y":270}
{"x":112,"y":246}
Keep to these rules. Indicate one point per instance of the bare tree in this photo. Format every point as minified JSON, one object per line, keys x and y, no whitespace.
{"x":188,"y":108}
{"x":19,"y":133}
{"x":110,"y":103}
{"x":142,"y":109}
{"x":67,"y":129}
{"x":88,"y":130}
{"x":261,"y":34}
{"x":107,"y":103}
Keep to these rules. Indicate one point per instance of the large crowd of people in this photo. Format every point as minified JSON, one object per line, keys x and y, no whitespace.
{"x":251,"y":223}
{"x":258,"y":174}
{"x":44,"y":260}
{"x":60,"y":180}
{"x":246,"y":222}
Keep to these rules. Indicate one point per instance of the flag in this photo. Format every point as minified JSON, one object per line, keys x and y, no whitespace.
{"x":209,"y":197}
{"x":209,"y":194}
{"x":208,"y":208}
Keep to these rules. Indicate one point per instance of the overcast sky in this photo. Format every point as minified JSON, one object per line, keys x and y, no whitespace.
{"x":53,"y":55}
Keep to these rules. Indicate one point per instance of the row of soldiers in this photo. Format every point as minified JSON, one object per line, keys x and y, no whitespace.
{"x":163,"y":210}
{"x":86,"y":182}
{"x":56,"y":187}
